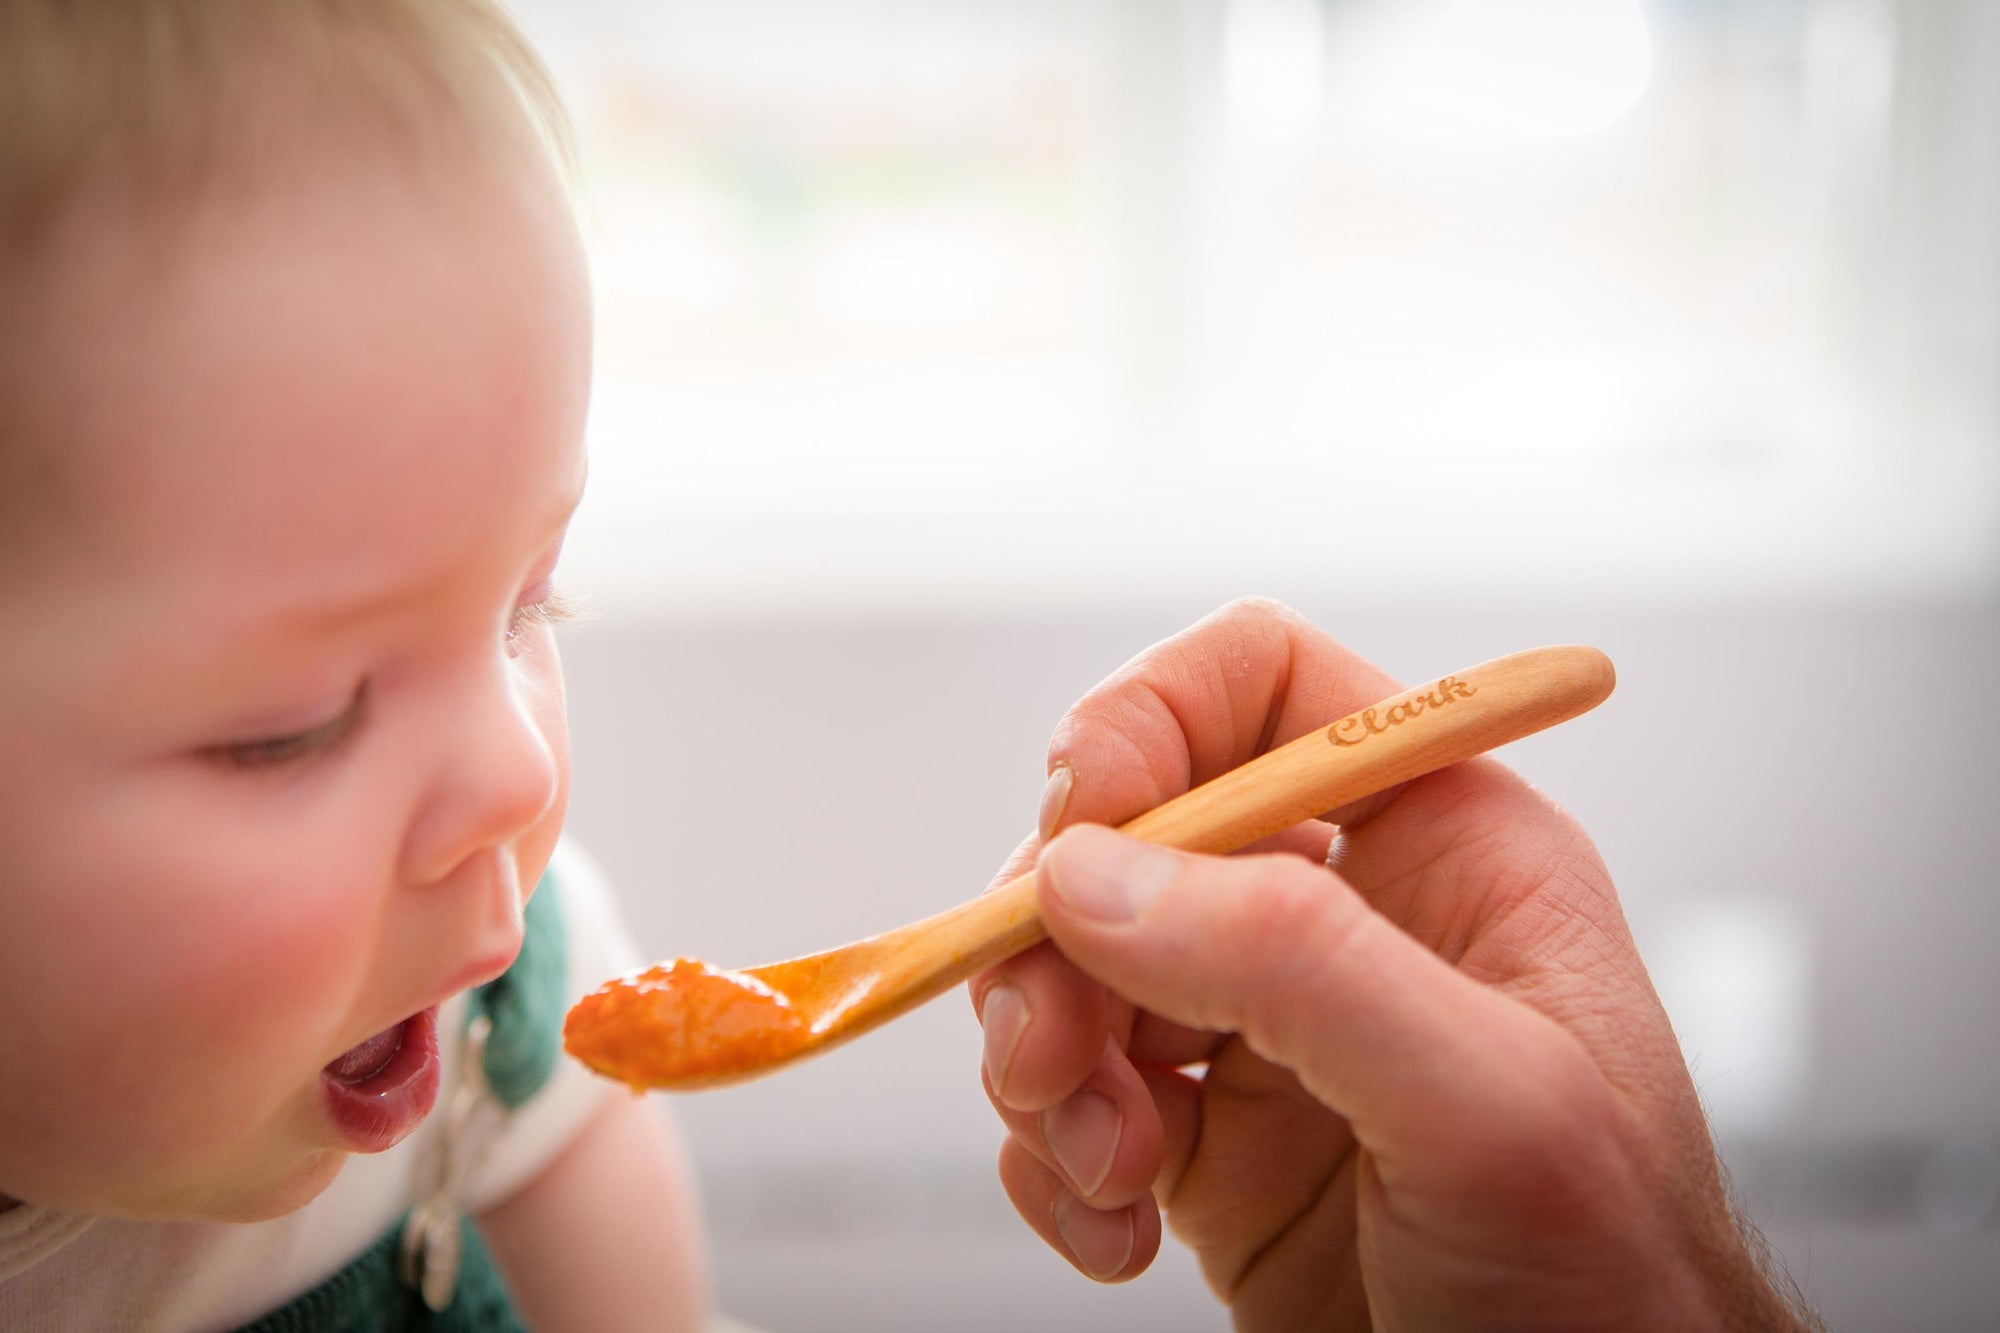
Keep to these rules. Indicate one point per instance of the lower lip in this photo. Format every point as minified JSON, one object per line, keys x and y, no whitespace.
{"x":380,"y":1111}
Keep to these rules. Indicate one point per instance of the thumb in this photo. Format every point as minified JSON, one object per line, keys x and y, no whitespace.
{"x":1287,"y":955}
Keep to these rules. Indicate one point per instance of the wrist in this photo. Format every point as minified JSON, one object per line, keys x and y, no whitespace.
{"x":1764,"y":1294}
{"x":1740,"y":1286}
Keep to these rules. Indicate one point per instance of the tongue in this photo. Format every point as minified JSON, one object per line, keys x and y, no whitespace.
{"x":363,"y":1062}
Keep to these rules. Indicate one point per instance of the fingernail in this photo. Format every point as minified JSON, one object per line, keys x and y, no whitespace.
{"x":1101,"y":1242}
{"x":1112,"y":878}
{"x":1082,"y":1130}
{"x":1004,"y":1016}
{"x":1055,"y":798}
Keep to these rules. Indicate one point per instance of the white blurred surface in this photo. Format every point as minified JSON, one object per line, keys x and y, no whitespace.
{"x":1736,"y":974}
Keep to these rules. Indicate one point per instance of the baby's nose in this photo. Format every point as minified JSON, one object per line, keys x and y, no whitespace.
{"x":497,"y":775}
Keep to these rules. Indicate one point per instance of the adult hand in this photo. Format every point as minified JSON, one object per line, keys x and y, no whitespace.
{"x":1424,"y":1081}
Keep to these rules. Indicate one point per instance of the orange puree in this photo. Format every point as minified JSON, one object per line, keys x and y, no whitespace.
{"x":682,"y":1022}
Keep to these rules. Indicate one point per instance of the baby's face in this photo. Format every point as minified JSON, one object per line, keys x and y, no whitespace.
{"x":284,"y":747}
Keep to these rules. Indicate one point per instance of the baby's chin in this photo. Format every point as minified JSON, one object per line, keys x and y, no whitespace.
{"x":257,"y":1196}
{"x":294,"y":1192}
{"x":282,"y":1168}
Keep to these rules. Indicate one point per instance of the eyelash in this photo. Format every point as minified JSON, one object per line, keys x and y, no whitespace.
{"x":276,"y":750}
{"x":554,"y":609}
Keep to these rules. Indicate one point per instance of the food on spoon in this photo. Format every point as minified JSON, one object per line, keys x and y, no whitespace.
{"x":682,"y":1023}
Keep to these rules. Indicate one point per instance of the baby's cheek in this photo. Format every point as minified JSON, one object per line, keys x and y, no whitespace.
{"x":189,"y":1026}
{"x":183,"y":946}
{"x":306,"y":954}
{"x":258,"y":983}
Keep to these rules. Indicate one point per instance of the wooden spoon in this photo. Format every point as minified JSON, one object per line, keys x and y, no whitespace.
{"x":685,"y":1025}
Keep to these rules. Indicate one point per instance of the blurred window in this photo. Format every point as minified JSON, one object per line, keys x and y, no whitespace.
{"x":1672,"y":291}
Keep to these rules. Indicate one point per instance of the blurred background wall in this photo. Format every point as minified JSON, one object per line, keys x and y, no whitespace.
{"x":952,"y":351}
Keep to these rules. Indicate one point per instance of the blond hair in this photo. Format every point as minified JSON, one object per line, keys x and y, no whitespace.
{"x":145,"y":107}
{"x":165,"y":96}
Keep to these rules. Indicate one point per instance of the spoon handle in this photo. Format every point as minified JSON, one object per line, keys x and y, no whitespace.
{"x":1404,"y":736}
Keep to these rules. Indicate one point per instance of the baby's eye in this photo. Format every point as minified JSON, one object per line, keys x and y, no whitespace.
{"x":272,"y":751}
{"x":551,"y":609}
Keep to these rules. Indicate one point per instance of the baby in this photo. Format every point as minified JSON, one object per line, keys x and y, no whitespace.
{"x":294,"y":359}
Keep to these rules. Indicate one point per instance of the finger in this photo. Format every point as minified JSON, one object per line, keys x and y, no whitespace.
{"x":1162,"y":1043}
{"x":1311,"y":840}
{"x":1177,"y":1097}
{"x":1111,"y":1245}
{"x":1104,"y":1139}
{"x":1419,"y":1057}
{"x":1269,"y":1152}
{"x":1019,"y":862}
{"x":1044,"y":1026}
{"x":1308,"y":1276}
{"x":1357,"y":812}
{"x":1037,"y":984}
{"x":1159,"y":1041}
{"x":1044,"y":1021}
{"x":1251,"y":676}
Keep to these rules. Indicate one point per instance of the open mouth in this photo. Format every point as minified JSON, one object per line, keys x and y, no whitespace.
{"x":380,"y":1089}
{"x":370,"y":1058}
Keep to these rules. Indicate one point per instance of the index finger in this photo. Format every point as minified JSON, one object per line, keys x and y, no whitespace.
{"x":1250,"y":677}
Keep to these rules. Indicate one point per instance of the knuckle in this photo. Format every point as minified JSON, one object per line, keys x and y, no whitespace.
{"x":1135,"y":720}
{"x":1124,"y":723}
{"x":1258,"y":607}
